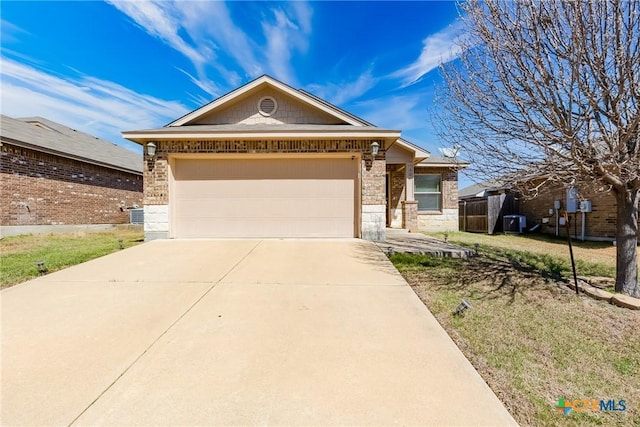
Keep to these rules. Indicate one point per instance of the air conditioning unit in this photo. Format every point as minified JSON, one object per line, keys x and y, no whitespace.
{"x":514,"y":224}
{"x":136,"y":216}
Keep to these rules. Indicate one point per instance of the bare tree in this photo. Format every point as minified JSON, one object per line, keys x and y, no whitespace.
{"x":552,"y":87}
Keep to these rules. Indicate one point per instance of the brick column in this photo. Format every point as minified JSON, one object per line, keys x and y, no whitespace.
{"x":156,"y":195}
{"x":410,"y":215}
{"x":374,"y":207}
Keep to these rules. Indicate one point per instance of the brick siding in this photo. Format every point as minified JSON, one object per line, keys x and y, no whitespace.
{"x":42,"y":189}
{"x":373,"y":181}
{"x":398,"y":182}
{"x":600,"y":223}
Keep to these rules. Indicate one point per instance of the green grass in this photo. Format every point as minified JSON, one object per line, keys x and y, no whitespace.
{"x":552,"y":265}
{"x":18,"y":254}
{"x":547,"y":254}
{"x":530,"y":337}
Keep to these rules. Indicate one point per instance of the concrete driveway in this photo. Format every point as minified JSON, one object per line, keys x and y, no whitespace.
{"x":236,"y":332}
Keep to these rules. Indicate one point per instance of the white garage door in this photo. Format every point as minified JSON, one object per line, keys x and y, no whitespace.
{"x":265,"y":197}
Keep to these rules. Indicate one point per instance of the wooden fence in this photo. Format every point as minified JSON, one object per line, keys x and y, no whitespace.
{"x":485,"y":215}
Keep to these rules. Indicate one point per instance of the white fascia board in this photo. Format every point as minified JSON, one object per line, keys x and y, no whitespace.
{"x":418,"y":153}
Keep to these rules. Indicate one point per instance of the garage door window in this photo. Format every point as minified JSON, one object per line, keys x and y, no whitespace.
{"x":427,"y":192}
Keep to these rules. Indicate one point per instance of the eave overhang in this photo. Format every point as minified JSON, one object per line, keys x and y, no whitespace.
{"x":261,"y":132}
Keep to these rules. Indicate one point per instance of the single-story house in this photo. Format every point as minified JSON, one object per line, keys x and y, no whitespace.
{"x":268,"y":160}
{"x":52,"y":175}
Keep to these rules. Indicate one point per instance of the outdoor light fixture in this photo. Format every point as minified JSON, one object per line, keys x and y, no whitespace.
{"x":390,"y":251}
{"x":151,"y":149}
{"x":446,"y":237}
{"x":462,"y":307}
{"x":121,"y":243}
{"x":477,"y":246}
{"x":375,"y":147}
{"x":42,"y":269}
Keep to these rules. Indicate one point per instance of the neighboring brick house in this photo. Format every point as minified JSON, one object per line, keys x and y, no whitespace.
{"x":267,"y":160}
{"x":599,"y":223}
{"x":52,"y":175}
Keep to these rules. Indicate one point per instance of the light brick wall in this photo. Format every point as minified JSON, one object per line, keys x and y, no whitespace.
{"x":373,"y":181}
{"x":398,"y":183}
{"x":290,"y":111}
{"x":43,"y":189}
{"x":599,"y":224}
{"x":447,"y":218}
{"x":374,"y":204}
{"x":156,"y":178}
{"x":410,"y":216}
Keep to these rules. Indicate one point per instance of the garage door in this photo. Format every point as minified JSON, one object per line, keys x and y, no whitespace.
{"x":264,"y":197}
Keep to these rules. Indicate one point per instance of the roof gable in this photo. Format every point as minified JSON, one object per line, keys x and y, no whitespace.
{"x":317,"y":110}
{"x":246,"y":110}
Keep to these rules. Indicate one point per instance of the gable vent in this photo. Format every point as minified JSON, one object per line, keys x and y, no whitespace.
{"x":267,"y":106}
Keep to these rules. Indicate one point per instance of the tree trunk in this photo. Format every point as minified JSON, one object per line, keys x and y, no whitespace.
{"x":627,"y":243}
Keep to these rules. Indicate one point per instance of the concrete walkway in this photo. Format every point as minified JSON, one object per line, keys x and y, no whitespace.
{"x":238,"y":332}
{"x":401,"y":241}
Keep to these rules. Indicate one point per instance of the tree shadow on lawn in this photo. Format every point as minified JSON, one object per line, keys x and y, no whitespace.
{"x":490,"y":278}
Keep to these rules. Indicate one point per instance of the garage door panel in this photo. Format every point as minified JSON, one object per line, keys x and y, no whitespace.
{"x":266,"y":207}
{"x":265,"y":198}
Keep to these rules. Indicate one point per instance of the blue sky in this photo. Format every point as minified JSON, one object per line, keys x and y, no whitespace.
{"x":105,"y":67}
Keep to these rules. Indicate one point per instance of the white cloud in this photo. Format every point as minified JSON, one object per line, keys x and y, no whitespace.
{"x":441,"y":47}
{"x":279,"y":46}
{"x":343,"y":92}
{"x":393,"y":112}
{"x":206,"y":34}
{"x":162,"y":20}
{"x":98,"y":107}
{"x":9,"y":32}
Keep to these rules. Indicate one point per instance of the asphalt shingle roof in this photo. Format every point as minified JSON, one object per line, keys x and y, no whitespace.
{"x":45,"y":135}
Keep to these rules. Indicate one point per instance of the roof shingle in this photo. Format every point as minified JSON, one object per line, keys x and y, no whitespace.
{"x":45,"y":135}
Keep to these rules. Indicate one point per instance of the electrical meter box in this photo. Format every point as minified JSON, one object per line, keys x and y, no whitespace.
{"x":573,"y":204}
{"x":585,"y":206}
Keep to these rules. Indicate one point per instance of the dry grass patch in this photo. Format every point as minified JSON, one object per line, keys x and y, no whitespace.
{"x":532,"y":339}
{"x":18,"y":254}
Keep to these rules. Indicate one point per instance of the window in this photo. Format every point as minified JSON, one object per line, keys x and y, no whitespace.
{"x":427,"y":192}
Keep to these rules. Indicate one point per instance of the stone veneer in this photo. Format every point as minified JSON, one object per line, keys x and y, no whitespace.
{"x":156,"y":222}
{"x":445,"y":220}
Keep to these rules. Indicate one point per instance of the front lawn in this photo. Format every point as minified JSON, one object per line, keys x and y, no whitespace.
{"x":18,"y":254}
{"x":592,"y":258}
{"x":531,"y":338}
